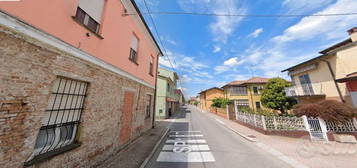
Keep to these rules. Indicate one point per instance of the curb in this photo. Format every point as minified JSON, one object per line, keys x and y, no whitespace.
{"x":242,"y":135}
{"x":143,"y":165}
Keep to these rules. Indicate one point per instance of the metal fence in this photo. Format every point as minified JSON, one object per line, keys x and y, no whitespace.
{"x":272,"y":122}
{"x":314,"y":125}
{"x":347,"y":126}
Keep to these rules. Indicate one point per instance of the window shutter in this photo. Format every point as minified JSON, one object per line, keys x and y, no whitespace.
{"x":134,"y":43}
{"x":94,"y":8}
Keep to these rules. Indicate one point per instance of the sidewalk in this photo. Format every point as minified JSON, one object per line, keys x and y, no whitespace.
{"x":135,"y":154}
{"x":311,"y":154}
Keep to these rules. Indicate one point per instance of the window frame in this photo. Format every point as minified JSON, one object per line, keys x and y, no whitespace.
{"x":151,"y":65}
{"x":260,"y":105}
{"x":133,"y":55}
{"x":149,"y":105}
{"x":256,"y":92}
{"x":240,"y":90}
{"x":58,"y":144}
{"x":85,"y":22}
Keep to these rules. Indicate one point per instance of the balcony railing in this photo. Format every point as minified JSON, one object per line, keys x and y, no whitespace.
{"x":310,"y":89}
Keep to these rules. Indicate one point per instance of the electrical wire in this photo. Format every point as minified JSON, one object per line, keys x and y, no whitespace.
{"x":246,"y":15}
{"x":160,"y":41}
{"x":157,"y":34}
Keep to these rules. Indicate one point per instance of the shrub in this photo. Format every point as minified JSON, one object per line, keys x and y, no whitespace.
{"x":274,"y":96}
{"x":331,"y":110}
{"x":310,"y":110}
{"x":220,"y":102}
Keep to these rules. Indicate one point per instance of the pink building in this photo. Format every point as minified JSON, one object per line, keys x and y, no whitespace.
{"x":78,"y":80}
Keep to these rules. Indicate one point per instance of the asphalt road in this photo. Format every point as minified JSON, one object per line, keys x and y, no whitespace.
{"x":197,"y":140}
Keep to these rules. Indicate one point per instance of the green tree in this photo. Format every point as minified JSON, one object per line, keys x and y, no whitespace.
{"x":220,"y":102}
{"x":274,"y":97}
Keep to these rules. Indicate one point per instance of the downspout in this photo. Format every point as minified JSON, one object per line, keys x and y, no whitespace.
{"x":334,"y":80}
{"x":251,"y":97}
{"x":157,"y":70}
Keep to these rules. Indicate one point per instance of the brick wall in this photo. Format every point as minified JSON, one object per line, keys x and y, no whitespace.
{"x":28,"y":69}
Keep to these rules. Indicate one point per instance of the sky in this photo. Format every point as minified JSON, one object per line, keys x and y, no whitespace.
{"x":210,"y":51}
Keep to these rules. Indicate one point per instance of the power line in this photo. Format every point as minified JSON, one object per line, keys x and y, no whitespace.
{"x":157,"y":33}
{"x":158,"y":36}
{"x":246,"y":15}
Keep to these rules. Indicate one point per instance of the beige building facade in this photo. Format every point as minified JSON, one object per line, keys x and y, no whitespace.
{"x":245,"y":93}
{"x":315,"y":80}
{"x":208,"y":95}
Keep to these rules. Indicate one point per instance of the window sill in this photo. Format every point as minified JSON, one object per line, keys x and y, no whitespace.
{"x":133,"y":62}
{"x":48,"y":155}
{"x":93,"y":32}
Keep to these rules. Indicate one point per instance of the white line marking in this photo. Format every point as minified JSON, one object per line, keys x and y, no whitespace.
{"x":184,"y":136}
{"x":221,"y":122}
{"x":196,"y":141}
{"x":193,"y":147}
{"x":185,"y":131}
{"x":186,"y":157}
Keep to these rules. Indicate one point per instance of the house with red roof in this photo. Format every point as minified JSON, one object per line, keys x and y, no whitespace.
{"x":245,"y":93}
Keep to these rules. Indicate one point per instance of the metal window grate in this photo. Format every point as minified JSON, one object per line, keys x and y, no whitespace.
{"x":62,"y":117}
{"x":148,"y":106}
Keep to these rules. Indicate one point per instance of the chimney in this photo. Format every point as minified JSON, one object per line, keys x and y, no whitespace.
{"x":353,"y":34}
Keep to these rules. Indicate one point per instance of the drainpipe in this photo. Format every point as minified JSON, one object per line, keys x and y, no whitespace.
{"x":251,"y":97}
{"x":334,"y":80}
{"x":157,"y":70}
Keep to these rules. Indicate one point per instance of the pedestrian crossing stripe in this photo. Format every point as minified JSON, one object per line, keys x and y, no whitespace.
{"x":185,"y":148}
{"x":187,"y":141}
{"x":185,"y":157}
{"x":185,"y":136}
{"x":193,"y":147}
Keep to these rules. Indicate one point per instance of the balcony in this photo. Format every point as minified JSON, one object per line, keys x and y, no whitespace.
{"x":311,"y":89}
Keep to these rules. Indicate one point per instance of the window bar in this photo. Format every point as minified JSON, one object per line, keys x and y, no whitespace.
{"x":82,"y":104}
{"x":48,"y":122}
{"x":55,"y":122}
{"x":63,"y":113}
{"x":69,"y":111}
{"x":73,"y":109}
{"x":77,"y":98}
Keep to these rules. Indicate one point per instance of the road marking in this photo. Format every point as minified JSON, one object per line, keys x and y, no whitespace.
{"x":193,"y":147}
{"x":186,"y":157}
{"x":186,"y":131}
{"x":221,"y":122}
{"x":190,"y":141}
{"x":183,"y":148}
{"x":185,"y":136}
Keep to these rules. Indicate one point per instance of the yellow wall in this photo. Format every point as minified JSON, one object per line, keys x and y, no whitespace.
{"x":207,"y":97}
{"x":251,"y":97}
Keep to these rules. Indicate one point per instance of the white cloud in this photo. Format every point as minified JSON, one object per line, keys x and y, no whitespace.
{"x":216,"y":49}
{"x":294,"y":6}
{"x":181,"y":61}
{"x":256,"y":33}
{"x":233,"y":62}
{"x":223,"y":26}
{"x":229,"y":64}
{"x":333,"y":27}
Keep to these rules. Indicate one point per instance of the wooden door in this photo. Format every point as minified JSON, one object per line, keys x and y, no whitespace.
{"x":126,"y":118}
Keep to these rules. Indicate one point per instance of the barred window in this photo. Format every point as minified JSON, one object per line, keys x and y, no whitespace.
{"x":148,"y":106}
{"x":238,"y":90}
{"x":133,"y":56}
{"x":62,"y":117}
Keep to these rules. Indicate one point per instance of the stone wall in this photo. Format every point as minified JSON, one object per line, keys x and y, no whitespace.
{"x":28,"y":70}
